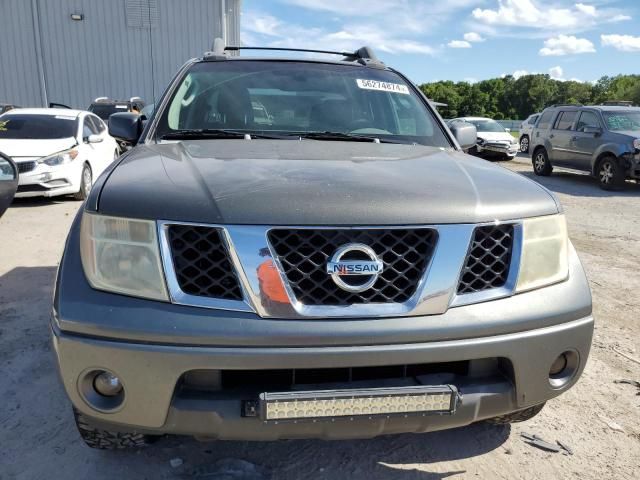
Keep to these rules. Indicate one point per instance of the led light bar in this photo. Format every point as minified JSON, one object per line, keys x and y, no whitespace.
{"x":358,"y":402}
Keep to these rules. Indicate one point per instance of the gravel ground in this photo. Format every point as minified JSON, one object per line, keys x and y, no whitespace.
{"x":598,"y":419}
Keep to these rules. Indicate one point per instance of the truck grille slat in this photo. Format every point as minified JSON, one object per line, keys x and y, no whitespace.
{"x":488,"y":260}
{"x":201,"y":262}
{"x":304,"y":253}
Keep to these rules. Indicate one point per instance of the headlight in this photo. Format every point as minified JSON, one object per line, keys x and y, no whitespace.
{"x":544,"y":258}
{"x":59,"y":158}
{"x":121,"y":255}
{"x":636,"y":144}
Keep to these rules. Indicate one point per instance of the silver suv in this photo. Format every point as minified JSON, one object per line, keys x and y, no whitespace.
{"x":602,"y":140}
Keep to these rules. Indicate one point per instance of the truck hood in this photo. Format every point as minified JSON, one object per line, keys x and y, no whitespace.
{"x":308,"y":182}
{"x":20,"y":149}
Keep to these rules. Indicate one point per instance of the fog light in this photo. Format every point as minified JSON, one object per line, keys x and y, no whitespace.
{"x":558,"y":365}
{"x":107,"y":384}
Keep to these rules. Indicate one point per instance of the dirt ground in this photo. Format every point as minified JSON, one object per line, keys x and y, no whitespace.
{"x":599,"y":419}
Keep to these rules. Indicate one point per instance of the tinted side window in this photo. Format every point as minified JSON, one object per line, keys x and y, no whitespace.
{"x":98,"y":124}
{"x":587,"y":119}
{"x":88,"y":128}
{"x":545,"y":120}
{"x":565,"y":120}
{"x":532,"y":120}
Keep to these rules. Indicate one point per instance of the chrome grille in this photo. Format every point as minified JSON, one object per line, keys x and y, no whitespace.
{"x":303,"y":254}
{"x":487,"y":263}
{"x":24,"y":167}
{"x":201,"y":262}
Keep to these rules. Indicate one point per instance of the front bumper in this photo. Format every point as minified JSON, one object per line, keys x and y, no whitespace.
{"x":46,"y":181}
{"x":153,"y":404}
{"x":150,"y":345}
{"x":510,"y":150}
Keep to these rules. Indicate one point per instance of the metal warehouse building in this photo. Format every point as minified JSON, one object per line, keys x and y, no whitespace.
{"x":72,"y":51}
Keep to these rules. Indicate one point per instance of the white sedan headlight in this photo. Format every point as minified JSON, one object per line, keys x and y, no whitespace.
{"x":60,"y":158}
{"x":545,"y":252}
{"x":121,"y":255}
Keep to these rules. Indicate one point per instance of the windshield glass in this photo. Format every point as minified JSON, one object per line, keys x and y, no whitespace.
{"x":40,"y":127}
{"x":105,"y":111}
{"x":300,"y":97}
{"x":487,"y":125}
{"x":618,"y":121}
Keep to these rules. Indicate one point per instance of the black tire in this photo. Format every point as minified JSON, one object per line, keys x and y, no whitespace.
{"x":541,"y":164}
{"x":519,"y":416}
{"x":524,"y":143}
{"x":106,"y":440}
{"x":86,"y":180}
{"x":610,"y":174}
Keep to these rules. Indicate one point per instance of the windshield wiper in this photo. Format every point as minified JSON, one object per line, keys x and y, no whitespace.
{"x":216,"y":133}
{"x":339,"y":136}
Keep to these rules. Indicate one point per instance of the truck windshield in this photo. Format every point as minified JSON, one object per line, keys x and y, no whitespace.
{"x":618,"y":121}
{"x":298,"y":98}
{"x":40,"y":127}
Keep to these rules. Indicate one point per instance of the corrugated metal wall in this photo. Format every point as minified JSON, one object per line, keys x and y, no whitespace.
{"x":19,"y":78}
{"x":120,"y":49}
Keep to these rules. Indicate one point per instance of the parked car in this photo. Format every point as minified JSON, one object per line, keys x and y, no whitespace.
{"x":5,"y":107}
{"x":8,"y":182}
{"x":494,"y":141}
{"x":603,"y":140}
{"x":526,"y":128}
{"x":104,"y":107}
{"x":58,"y":151}
{"x":343,"y":271}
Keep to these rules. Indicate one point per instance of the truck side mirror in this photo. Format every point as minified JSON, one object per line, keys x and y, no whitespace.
{"x":593,"y":130}
{"x":465,"y":133}
{"x":8,"y":182}
{"x":125,"y":126}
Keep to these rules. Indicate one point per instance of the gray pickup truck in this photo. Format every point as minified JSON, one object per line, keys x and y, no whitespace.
{"x":338,"y":269}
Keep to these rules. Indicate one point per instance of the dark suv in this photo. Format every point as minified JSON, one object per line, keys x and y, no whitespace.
{"x":335,"y":268}
{"x":602,"y":140}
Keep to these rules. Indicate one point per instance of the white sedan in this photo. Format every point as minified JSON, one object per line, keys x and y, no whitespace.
{"x":58,"y":151}
{"x":494,"y":141}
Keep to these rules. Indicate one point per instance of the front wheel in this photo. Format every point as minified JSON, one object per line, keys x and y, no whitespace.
{"x":524,"y":144}
{"x":107,"y":440}
{"x":86,"y":180}
{"x":519,"y":416}
{"x":610,"y":174}
{"x":541,"y":164}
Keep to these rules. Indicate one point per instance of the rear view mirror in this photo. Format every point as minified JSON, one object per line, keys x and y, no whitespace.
{"x":8,"y":182}
{"x":508,"y":130}
{"x":125,"y":126}
{"x":593,"y":130}
{"x":465,"y":133}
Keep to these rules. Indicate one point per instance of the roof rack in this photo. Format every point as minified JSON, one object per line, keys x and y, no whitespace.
{"x":617,"y":103}
{"x":363,"y":55}
{"x":566,"y":105}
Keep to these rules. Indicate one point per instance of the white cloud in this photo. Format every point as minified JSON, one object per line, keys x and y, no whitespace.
{"x":471,"y":80}
{"x":519,"y":73}
{"x":586,"y":9}
{"x":624,"y":43}
{"x":458,"y":44}
{"x":270,"y":31}
{"x":566,"y":45}
{"x":473,"y":37}
{"x":545,"y":16}
{"x":556,"y":73}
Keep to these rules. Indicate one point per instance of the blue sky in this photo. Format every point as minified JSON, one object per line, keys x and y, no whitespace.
{"x":461,"y":39}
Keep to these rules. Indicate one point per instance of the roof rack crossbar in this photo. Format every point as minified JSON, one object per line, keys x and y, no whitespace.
{"x":287,"y":49}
